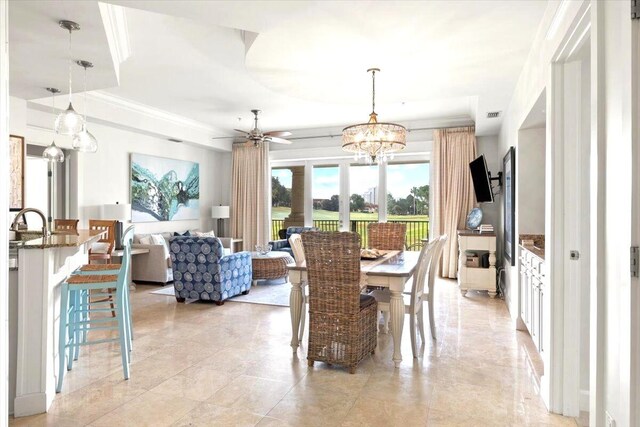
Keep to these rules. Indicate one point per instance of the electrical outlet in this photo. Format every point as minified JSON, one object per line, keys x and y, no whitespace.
{"x":609,"y":419}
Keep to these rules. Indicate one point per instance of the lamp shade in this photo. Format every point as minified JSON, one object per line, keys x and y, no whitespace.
{"x":220,"y":211}
{"x":120,"y":212}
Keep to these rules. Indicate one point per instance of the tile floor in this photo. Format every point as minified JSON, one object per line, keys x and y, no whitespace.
{"x":204,"y":365}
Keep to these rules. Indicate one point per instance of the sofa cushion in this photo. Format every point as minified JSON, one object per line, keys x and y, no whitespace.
{"x":205,"y":234}
{"x":299,"y":230}
{"x":186,"y":233}
{"x":145,"y":240}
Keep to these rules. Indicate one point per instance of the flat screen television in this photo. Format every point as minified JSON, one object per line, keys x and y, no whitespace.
{"x":481,"y":180}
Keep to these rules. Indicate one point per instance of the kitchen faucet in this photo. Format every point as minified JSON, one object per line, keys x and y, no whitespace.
{"x":14,"y":224}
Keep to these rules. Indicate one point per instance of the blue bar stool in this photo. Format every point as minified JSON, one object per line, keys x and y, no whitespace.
{"x":75,"y":313}
{"x":92,"y":269}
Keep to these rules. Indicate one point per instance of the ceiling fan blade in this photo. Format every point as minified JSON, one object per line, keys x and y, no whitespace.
{"x":277,"y":140}
{"x":278,"y":133}
{"x":242,"y":131}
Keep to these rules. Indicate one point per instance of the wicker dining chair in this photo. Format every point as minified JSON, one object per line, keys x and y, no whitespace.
{"x":66,"y":226}
{"x":342,"y":322}
{"x":386,"y":235}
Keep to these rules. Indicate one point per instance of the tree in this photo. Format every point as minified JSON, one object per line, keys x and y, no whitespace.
{"x":331,"y":204}
{"x":280,"y":196}
{"x":357,"y":203}
{"x":421,"y":197}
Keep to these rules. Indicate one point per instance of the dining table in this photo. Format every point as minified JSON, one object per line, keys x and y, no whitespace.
{"x":391,"y":270}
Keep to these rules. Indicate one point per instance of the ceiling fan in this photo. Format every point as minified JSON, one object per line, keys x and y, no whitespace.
{"x":256,"y":136}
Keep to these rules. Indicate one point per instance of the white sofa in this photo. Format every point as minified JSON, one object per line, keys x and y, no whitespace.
{"x":155,"y":266}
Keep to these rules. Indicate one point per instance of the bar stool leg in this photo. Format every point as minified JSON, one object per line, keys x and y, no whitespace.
{"x":77,"y":318}
{"x":123,"y":329}
{"x":62,"y":346}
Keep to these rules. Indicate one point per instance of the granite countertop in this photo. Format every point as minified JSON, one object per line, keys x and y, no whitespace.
{"x":61,"y":240}
{"x":534,"y":243}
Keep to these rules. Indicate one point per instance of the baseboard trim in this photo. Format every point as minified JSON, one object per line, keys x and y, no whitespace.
{"x":30,"y":404}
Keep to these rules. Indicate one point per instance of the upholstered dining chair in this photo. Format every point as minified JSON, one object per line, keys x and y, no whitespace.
{"x":295,"y":241}
{"x":386,"y":235}
{"x":65,"y":226}
{"x":342,"y":321}
{"x":422,"y":291}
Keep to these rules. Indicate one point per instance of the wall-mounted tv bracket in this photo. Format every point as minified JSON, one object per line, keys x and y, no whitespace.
{"x":496,"y":178}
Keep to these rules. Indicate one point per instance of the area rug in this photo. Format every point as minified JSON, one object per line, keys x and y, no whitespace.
{"x":268,"y":292}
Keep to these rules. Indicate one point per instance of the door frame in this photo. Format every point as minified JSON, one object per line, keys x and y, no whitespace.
{"x":560,"y":386}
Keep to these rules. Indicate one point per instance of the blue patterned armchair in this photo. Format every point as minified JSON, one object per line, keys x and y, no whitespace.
{"x":201,"y":272}
{"x":283,"y":245}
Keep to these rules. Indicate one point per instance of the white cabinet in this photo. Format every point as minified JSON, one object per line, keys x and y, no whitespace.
{"x":477,"y":278}
{"x":532,"y":287}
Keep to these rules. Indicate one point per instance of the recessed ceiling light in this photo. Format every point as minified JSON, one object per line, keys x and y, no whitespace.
{"x":493,"y":114}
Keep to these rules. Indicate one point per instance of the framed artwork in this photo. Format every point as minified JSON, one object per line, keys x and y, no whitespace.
{"x":509,"y":191}
{"x":164,"y":189}
{"x":16,"y":172}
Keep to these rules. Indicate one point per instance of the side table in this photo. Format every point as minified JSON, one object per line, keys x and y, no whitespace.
{"x":272,"y":265}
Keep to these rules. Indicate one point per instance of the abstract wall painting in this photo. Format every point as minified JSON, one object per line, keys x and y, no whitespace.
{"x":16,"y":172}
{"x":164,"y":189}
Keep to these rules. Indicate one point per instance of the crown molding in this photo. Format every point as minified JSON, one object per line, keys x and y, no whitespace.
{"x":152,"y":112}
{"x":114,"y":19}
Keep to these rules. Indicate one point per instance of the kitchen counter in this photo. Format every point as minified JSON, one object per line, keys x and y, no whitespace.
{"x":61,"y":240}
{"x":539,"y":252}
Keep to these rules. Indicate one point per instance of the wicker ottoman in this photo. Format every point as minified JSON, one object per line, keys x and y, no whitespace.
{"x":270,"y":266}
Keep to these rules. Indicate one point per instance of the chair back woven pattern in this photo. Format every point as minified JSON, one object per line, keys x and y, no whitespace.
{"x":386,"y":235}
{"x":340,"y":332}
{"x":200,"y":271}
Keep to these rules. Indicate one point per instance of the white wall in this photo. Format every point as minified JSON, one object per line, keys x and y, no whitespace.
{"x":488,"y":145}
{"x":530,"y":178}
{"x":103,"y":177}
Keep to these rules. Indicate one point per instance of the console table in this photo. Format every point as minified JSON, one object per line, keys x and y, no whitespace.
{"x":477,"y":278}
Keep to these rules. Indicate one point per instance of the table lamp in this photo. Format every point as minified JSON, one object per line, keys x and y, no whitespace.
{"x":119,"y":212}
{"x":221,"y":213}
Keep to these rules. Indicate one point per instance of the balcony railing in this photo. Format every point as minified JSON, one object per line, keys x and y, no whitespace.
{"x":416,"y":230}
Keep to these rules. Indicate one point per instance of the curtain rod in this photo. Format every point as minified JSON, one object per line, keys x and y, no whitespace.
{"x":408,"y":130}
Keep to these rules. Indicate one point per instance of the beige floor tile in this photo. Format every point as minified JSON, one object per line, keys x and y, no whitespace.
{"x":313,"y":406}
{"x":207,"y":364}
{"x":207,"y":414}
{"x":373,"y":412}
{"x":92,"y":402}
{"x":149,"y":409}
{"x":257,"y":395}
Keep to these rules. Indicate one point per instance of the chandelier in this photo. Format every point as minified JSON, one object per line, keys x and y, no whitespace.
{"x":374,"y":141}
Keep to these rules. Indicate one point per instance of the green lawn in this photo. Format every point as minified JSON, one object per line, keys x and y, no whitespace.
{"x":415,"y":232}
{"x":283,"y":212}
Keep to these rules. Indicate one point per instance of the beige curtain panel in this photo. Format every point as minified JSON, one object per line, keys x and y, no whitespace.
{"x":250,"y":192}
{"x":453,"y":150}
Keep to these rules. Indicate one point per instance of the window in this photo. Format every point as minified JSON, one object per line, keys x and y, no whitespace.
{"x":326,"y":197}
{"x":408,"y":198}
{"x":363,"y":198}
{"x":281,"y":182}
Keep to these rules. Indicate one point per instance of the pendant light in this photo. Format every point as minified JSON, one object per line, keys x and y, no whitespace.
{"x":84,"y":141}
{"x":374,"y":141}
{"x":69,"y":122}
{"x":53,"y":153}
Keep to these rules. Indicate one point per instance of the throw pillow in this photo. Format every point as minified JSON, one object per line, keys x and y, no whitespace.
{"x":146,"y":240}
{"x":207,"y":234}
{"x":186,"y":233}
{"x":157,"y":239}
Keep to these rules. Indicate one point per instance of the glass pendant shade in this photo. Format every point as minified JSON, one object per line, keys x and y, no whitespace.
{"x":84,"y":141}
{"x":53,"y":153}
{"x":69,"y":122}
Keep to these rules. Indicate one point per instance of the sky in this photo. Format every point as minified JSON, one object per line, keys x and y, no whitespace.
{"x":400,"y":179}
